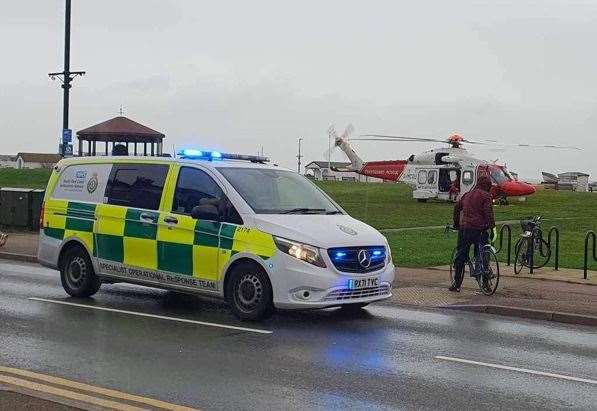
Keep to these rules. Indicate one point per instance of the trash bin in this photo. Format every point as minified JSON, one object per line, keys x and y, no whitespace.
{"x":37,"y":198}
{"x":15,"y":207}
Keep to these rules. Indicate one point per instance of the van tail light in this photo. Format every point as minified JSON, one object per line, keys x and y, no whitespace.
{"x":41,"y":215}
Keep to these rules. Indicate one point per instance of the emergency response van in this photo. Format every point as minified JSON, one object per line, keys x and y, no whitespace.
{"x":225,"y":225}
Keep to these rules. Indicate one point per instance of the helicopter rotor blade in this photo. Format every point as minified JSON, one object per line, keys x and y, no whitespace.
{"x":372,"y":137}
{"x":487,"y":142}
{"x":551,"y":146}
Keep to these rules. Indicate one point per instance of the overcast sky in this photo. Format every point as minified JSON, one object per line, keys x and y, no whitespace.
{"x":238,"y":75}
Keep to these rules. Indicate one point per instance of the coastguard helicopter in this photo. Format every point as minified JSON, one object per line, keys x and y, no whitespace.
{"x":444,"y":173}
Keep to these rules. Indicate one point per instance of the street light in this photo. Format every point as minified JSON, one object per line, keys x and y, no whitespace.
{"x":66,"y":76}
{"x":299,"y":156}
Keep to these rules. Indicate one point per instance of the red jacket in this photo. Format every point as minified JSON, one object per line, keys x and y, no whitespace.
{"x":474,"y":211}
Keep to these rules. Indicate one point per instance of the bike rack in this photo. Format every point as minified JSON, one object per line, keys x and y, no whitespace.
{"x":555,"y":230}
{"x":506,"y":227}
{"x":590,"y":234}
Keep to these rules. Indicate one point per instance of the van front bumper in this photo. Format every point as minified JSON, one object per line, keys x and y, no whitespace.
{"x":299,"y":285}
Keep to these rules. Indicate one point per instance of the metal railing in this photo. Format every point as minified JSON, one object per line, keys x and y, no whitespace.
{"x":590,"y":235}
{"x":555,"y":230}
{"x":506,"y":227}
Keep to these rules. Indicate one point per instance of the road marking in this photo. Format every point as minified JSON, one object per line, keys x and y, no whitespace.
{"x":522,"y":370}
{"x":160,"y":317}
{"x":59,"y":392}
{"x":85,"y":387}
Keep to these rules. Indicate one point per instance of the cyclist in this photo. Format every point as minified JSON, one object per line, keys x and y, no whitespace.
{"x":473,"y":216}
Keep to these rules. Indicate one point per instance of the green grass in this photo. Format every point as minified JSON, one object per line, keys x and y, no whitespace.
{"x":387,"y":206}
{"x":33,"y":178}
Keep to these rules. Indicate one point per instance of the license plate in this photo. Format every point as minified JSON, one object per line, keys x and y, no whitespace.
{"x":358,"y":283}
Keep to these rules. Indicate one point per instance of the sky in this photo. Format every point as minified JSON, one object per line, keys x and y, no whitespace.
{"x":239,"y":76}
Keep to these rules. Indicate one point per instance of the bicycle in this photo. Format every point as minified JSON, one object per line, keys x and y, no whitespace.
{"x":531,"y":248}
{"x":486,"y":270}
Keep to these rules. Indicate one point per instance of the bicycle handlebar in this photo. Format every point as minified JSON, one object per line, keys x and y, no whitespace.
{"x":448,"y":228}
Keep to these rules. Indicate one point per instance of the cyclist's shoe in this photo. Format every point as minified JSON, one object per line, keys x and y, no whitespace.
{"x":454,"y":289}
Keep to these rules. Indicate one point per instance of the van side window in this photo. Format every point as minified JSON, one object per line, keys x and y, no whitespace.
{"x":136,"y":185}
{"x":195,"y":187}
{"x":467,"y":177}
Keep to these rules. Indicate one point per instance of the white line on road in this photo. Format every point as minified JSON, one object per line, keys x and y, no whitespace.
{"x":160,"y":317}
{"x":523,"y":370}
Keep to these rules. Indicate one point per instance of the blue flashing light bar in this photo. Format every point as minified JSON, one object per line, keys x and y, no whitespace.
{"x":192,"y":154}
{"x":340,"y":254}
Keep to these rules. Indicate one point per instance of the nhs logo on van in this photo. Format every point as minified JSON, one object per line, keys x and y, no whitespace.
{"x":80,"y":174}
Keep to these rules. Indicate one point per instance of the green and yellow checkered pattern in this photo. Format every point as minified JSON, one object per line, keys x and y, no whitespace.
{"x":194,"y":248}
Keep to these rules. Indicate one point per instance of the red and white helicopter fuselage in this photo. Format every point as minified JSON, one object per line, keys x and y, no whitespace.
{"x":442,"y":173}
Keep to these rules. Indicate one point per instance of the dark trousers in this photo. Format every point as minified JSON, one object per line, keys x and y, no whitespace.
{"x":467,"y":238}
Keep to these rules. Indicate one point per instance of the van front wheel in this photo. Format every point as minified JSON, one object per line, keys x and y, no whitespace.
{"x":249,"y":292}
{"x":77,"y":275}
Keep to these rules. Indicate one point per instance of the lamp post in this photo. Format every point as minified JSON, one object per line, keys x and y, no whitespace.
{"x":299,"y":156}
{"x":66,"y":76}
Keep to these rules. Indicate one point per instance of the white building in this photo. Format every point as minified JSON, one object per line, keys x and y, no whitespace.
{"x":8,"y":161}
{"x":319,"y":170}
{"x":36,"y":160}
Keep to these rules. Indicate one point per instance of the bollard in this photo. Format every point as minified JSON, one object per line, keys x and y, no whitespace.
{"x":557,"y":248}
{"x":590,"y":235}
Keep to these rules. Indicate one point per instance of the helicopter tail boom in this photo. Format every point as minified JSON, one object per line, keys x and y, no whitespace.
{"x":390,"y":170}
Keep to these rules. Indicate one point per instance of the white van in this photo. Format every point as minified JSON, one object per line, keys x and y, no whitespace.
{"x":225,"y":225}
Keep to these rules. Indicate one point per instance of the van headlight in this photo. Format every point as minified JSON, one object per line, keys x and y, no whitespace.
{"x":304,"y":252}
{"x":388,"y":252}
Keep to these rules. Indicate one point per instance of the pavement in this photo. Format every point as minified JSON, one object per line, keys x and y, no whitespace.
{"x":428,"y":287}
{"x":159,"y":347}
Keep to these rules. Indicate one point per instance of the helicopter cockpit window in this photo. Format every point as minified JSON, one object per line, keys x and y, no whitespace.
{"x":467,"y":177}
{"x":422,"y":178}
{"x":431,"y":177}
{"x":439,"y":158}
{"x":499,"y":176}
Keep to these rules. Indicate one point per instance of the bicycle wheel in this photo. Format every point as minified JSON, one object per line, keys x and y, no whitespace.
{"x":490,"y":277}
{"x":520,"y":256}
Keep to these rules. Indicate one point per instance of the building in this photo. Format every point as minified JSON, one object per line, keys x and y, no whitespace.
{"x":571,"y":180}
{"x":137,"y":138}
{"x":8,"y":161}
{"x":36,"y":160}
{"x":319,"y":170}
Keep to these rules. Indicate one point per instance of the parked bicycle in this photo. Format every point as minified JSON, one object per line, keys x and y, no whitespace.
{"x":531,"y":249}
{"x":484,"y":266}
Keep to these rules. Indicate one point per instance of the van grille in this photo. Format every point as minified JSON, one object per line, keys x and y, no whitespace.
{"x":348,"y":294}
{"x":346,"y":259}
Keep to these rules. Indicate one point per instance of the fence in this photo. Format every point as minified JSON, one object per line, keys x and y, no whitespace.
{"x":590,"y":235}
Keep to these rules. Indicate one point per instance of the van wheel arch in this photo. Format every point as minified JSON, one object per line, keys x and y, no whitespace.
{"x":68,"y":246}
{"x":236,"y":263}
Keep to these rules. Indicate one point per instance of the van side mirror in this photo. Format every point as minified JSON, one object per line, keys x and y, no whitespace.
{"x":205,"y":212}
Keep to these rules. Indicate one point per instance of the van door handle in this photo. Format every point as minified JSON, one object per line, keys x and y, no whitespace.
{"x":146,"y":218}
{"x":170,"y":220}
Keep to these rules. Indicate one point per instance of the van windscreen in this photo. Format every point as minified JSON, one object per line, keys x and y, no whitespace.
{"x":269,"y":191}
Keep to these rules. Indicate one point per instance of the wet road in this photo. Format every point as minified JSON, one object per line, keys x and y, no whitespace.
{"x":191,"y":352}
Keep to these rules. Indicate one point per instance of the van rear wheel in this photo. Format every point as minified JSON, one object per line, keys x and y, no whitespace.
{"x":249,"y":292}
{"x":77,"y":274}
